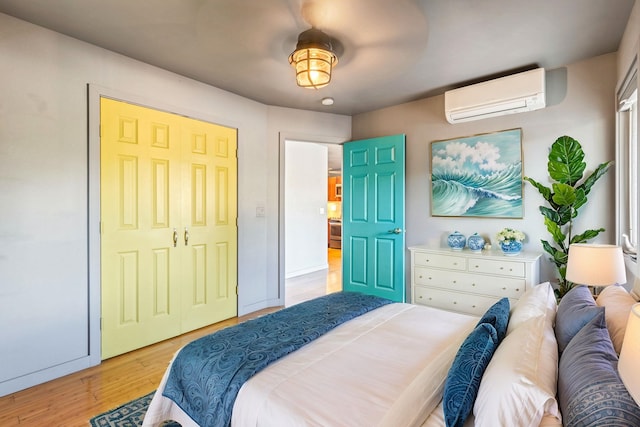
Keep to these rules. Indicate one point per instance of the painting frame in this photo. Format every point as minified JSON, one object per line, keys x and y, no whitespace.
{"x":478,"y":176}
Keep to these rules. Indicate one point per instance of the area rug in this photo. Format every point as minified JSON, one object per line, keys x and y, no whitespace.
{"x":128,"y":415}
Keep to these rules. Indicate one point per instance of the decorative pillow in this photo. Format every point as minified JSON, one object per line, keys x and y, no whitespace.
{"x":617,"y":304}
{"x":538,"y":300}
{"x":498,"y":316}
{"x":575,"y":310}
{"x":590,"y":390}
{"x":519,"y":386}
{"x":463,"y":380}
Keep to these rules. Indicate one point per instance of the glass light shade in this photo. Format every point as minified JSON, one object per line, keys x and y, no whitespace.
{"x":595,"y":265}
{"x":629,"y":363}
{"x":313,"y":67}
{"x":313,"y":59}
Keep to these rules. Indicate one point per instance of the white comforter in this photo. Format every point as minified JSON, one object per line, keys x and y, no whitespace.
{"x":384,"y":368}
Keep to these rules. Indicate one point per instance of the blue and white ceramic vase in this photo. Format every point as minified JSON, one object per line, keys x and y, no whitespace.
{"x":475,"y":243}
{"x":456,"y":241}
{"x":511,"y":247}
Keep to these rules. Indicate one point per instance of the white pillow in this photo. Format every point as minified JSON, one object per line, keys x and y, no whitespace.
{"x":617,"y":304}
{"x":538,"y":300}
{"x":519,"y":385}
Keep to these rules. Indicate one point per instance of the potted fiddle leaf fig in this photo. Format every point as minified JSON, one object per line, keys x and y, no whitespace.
{"x":568,"y":193}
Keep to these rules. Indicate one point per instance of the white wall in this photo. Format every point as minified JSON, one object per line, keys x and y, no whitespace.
{"x":305,"y":203}
{"x":47,"y":187}
{"x":581,"y":98}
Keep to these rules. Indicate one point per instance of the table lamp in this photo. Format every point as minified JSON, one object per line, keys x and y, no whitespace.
{"x":595,"y":265}
{"x":630,"y":355}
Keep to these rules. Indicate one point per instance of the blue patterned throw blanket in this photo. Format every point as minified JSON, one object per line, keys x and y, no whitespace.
{"x":207,"y":373}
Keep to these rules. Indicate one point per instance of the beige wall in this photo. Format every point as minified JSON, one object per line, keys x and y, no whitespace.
{"x":580,"y":104}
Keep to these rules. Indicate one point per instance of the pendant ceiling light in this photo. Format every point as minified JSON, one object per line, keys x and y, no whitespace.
{"x":313,"y":59}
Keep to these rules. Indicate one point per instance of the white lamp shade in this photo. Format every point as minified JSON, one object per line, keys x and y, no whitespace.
{"x":629,"y":363}
{"x":595,"y":265}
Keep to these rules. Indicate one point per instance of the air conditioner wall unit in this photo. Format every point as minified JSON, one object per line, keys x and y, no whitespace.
{"x":516,"y":93}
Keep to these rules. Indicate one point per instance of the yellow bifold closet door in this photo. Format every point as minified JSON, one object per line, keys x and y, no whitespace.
{"x":168,"y":225}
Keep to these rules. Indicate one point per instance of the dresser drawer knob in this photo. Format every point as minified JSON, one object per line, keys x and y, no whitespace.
{"x":473,"y":284}
{"x":517,"y":289}
{"x":430,"y":298}
{"x":455,"y":302}
{"x":501,"y":268}
{"x":504,"y":288}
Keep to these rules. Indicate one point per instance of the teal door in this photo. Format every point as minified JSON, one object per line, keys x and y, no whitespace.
{"x":373,"y":217}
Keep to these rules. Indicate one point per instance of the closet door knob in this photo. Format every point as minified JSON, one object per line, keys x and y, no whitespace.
{"x":175,"y":238}
{"x":186,"y":236}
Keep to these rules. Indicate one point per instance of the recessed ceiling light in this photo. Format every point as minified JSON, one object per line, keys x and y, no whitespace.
{"x":327,"y":101}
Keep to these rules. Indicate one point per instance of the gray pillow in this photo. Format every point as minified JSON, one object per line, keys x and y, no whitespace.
{"x":590,"y":391}
{"x":575,"y":310}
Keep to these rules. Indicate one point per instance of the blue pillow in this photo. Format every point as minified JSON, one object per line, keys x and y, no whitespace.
{"x":590,"y":391}
{"x":498,"y":316}
{"x":577,"y":307}
{"x":463,"y":380}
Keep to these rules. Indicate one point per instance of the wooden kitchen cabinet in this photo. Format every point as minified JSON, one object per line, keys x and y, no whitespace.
{"x":335,"y":184}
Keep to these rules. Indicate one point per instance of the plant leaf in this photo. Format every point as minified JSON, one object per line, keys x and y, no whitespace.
{"x":563,"y":194}
{"x":581,"y":199}
{"x":550,"y":213}
{"x":549,"y":249}
{"x":563,"y":270}
{"x":566,"y":214}
{"x":594,"y":176}
{"x":558,"y":257}
{"x":543,"y":190}
{"x":566,"y":161}
{"x":555,"y":231}
{"x":587,"y":235}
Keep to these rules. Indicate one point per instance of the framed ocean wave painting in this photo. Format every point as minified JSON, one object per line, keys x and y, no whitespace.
{"x":478,"y":176}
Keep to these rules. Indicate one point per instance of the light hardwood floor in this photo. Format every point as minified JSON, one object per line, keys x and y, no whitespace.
{"x":72,"y":400}
{"x":312,"y":285}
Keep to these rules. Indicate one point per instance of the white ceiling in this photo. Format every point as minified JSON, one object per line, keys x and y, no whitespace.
{"x":393,"y":51}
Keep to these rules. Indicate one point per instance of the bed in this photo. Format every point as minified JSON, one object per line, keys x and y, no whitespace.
{"x":408,"y":365}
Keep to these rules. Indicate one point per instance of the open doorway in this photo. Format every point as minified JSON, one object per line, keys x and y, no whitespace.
{"x":312,"y":214}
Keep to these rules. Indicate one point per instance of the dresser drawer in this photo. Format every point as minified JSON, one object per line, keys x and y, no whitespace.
{"x":497,"y":286}
{"x":467,"y":282}
{"x":453,"y":301}
{"x":504,"y":268}
{"x":450,"y":262}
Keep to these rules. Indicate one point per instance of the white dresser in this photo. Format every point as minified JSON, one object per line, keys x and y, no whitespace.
{"x":469,"y":282}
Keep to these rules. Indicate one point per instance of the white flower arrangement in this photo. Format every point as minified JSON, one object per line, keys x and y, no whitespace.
{"x":510,"y":234}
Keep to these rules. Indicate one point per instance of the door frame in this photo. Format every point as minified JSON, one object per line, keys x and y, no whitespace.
{"x":283,"y":137}
{"x":94,"y":93}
